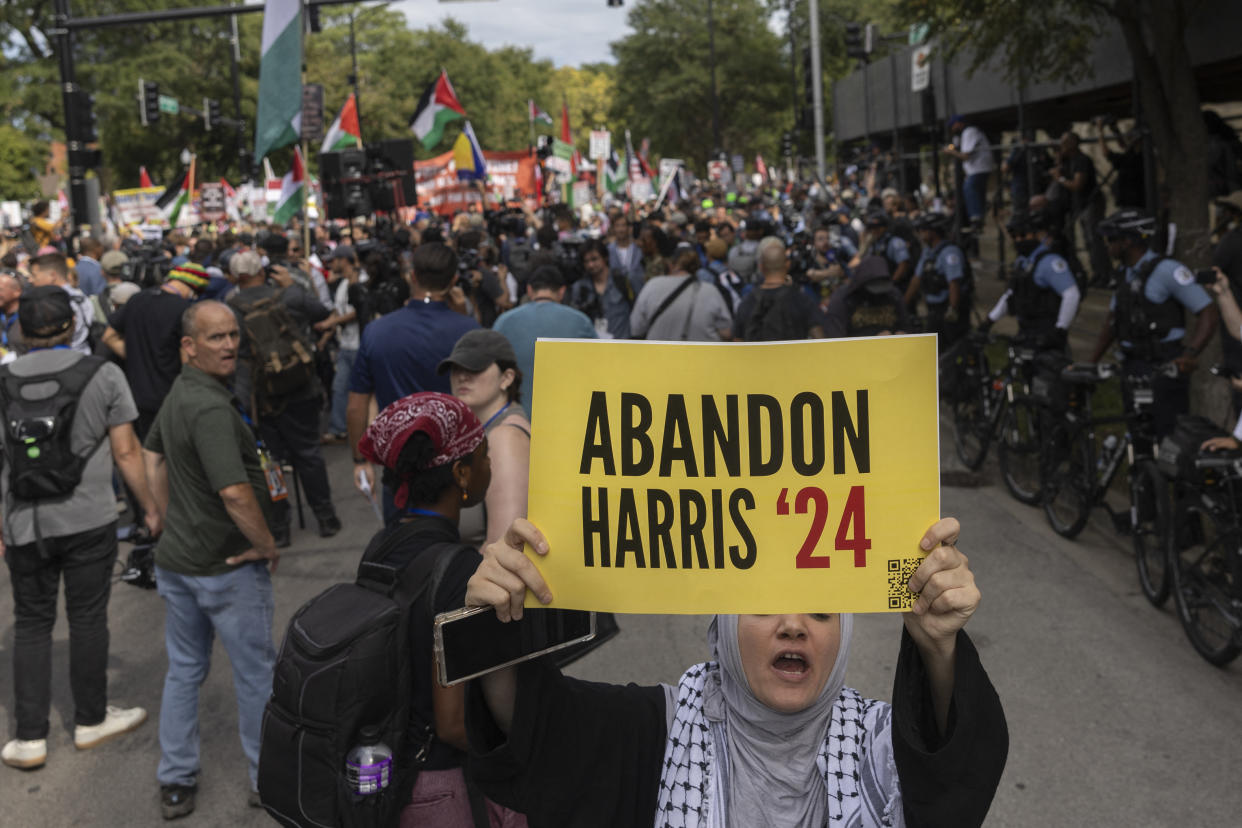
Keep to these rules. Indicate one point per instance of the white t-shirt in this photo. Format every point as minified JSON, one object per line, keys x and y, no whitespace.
{"x":978,"y":151}
{"x":348,"y":337}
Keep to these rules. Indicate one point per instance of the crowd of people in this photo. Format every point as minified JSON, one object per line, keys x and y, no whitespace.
{"x":207,"y":366}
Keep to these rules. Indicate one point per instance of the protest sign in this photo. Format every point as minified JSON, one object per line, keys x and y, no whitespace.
{"x":138,"y":205}
{"x":756,"y":478}
{"x":509,"y":175}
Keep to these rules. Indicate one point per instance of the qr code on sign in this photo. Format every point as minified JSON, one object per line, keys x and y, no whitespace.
{"x":899,"y":571}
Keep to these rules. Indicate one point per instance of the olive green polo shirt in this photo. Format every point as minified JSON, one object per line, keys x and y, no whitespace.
{"x":206,"y":447}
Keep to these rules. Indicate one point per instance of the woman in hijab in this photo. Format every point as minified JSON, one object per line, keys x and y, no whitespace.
{"x":434,"y":454}
{"x":765,"y":734}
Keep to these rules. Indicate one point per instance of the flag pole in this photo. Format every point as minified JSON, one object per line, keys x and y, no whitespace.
{"x":530,"y":116}
{"x":306,"y":149}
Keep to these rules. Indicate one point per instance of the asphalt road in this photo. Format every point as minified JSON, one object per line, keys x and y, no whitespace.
{"x":1114,"y":720}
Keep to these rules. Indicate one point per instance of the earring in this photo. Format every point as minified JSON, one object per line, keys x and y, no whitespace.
{"x":464,"y":496}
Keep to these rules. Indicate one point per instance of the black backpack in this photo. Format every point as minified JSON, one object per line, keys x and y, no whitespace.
{"x":345,"y":664}
{"x":282,"y":358}
{"x":37,"y":434}
{"x":774,"y":317}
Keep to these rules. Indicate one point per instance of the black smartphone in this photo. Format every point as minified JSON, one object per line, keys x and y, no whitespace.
{"x":472,"y":642}
{"x":1206,"y":277}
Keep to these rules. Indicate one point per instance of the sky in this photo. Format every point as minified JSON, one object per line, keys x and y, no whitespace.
{"x":567,"y":32}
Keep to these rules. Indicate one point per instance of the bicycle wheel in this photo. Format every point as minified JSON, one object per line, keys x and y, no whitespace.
{"x":1068,"y":479}
{"x":1209,"y":604}
{"x":1149,"y":523}
{"x":1017,"y":452}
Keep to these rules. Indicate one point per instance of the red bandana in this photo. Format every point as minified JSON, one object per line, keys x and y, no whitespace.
{"x":454,"y":431}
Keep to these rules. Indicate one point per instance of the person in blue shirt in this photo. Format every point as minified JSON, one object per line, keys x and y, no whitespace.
{"x":542,"y":316}
{"x":1147,"y":314}
{"x":90,"y":274}
{"x":943,"y":278}
{"x":400,"y":352}
{"x":1042,"y":292}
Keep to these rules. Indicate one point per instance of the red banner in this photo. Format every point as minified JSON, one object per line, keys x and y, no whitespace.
{"x":509,"y":175}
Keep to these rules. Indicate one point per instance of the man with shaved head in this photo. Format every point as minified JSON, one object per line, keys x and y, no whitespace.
{"x":777,"y":309}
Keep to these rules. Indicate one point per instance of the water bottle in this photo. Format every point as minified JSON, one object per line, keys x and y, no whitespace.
{"x":369,"y":764}
{"x":1106,"y":451}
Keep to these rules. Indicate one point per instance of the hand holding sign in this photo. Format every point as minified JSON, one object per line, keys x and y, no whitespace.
{"x":504,"y":576}
{"x":946,"y":589}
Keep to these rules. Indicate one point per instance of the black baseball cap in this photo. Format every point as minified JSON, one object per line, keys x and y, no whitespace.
{"x":478,"y":349}
{"x":44,"y":311}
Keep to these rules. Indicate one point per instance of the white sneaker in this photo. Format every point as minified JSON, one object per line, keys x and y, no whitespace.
{"x":27,"y":754}
{"x":117,"y":721}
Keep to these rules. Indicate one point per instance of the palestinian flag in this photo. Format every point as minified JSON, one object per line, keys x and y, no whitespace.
{"x":537,"y":115}
{"x":279,"y":116}
{"x":344,"y":132}
{"x":614,"y":174}
{"x":437,"y":107}
{"x":291,"y":190}
{"x":176,"y":196}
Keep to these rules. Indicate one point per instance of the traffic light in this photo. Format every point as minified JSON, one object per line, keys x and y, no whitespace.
{"x":787,"y":145}
{"x":855,"y":47}
{"x":84,"y":129}
{"x":148,"y":102}
{"x":211,"y":113}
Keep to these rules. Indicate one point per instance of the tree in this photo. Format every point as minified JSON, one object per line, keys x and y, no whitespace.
{"x":663,"y":80}
{"x":1051,"y":41}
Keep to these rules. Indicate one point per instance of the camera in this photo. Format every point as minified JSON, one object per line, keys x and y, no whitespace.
{"x":1206,"y":277}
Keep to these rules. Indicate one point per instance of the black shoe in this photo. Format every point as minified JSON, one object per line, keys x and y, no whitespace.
{"x":177,"y":800}
{"x":281,"y":536}
{"x":329,"y":525}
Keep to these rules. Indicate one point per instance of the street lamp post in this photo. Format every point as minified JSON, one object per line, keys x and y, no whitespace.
{"x":817,"y":91}
{"x":711,"y":49}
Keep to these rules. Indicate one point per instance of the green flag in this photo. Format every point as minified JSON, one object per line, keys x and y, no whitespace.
{"x":279,"y":117}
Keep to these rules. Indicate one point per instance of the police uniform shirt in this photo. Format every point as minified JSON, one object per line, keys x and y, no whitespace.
{"x":897,"y":251}
{"x":1051,"y":272}
{"x":948,"y":259}
{"x":1169,"y":279}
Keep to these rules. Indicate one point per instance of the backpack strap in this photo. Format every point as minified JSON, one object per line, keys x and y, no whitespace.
{"x":668,"y":300}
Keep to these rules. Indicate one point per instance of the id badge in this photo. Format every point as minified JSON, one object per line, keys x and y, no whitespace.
{"x":274,"y":475}
{"x":601,"y":328}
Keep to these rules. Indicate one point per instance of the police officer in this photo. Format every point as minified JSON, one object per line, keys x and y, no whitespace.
{"x":1147,"y":314}
{"x":943,"y":278}
{"x":879,"y":240}
{"x":1042,"y":292}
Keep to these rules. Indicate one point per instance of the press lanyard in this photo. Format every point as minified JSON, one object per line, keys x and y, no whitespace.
{"x":272,"y":472}
{"x":492,"y":418}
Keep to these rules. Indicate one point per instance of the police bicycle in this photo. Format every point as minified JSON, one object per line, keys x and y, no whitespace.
{"x":1205,"y":548}
{"x":989,"y":404}
{"x":1078,"y":466}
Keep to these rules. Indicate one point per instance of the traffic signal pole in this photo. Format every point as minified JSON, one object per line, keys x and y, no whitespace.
{"x":62,"y":37}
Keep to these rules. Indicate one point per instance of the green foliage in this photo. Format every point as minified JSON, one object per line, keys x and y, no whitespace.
{"x":21,"y":159}
{"x":1034,"y":41}
{"x":663,"y":88}
{"x":191,"y":60}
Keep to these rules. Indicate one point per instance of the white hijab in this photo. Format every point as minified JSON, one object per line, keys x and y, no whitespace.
{"x":770,"y":764}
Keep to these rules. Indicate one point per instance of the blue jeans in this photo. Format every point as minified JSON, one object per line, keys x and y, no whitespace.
{"x":340,"y":389}
{"x":238,"y":607}
{"x":975,"y":194}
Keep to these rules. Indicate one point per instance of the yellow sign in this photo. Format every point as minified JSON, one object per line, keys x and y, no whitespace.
{"x":755,"y":478}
